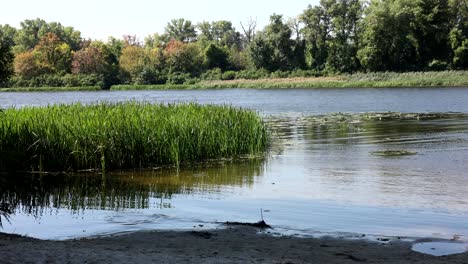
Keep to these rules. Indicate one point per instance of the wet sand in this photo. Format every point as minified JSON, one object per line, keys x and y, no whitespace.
{"x":232,"y":245}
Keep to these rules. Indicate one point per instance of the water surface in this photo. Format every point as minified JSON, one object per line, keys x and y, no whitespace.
{"x":319,"y":178}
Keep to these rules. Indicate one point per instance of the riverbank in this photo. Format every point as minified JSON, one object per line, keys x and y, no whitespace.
{"x":50,"y":89}
{"x":358,"y":80}
{"x":235,"y":245}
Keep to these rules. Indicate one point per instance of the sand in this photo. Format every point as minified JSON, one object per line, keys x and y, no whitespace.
{"x":232,"y":245}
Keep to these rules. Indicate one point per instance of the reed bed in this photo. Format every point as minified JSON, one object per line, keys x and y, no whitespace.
{"x":125,"y":135}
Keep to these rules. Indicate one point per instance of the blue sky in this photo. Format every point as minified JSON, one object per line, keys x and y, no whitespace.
{"x":99,"y":19}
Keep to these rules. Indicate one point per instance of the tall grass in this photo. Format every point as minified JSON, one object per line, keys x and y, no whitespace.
{"x":125,"y":135}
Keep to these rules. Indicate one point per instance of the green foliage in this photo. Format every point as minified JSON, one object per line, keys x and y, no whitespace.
{"x":458,"y":36}
{"x":125,"y":135}
{"x":68,"y":80}
{"x":332,"y":32}
{"x":184,"y":58}
{"x":32,"y":31}
{"x":181,"y":30}
{"x":228,"y":75}
{"x":334,"y":37}
{"x":405,"y":35}
{"x":221,"y":33}
{"x":6,"y":55}
{"x":273,"y":49}
{"x":178,"y":78}
{"x":53,"y":55}
{"x":216,"y":57}
{"x":213,"y":74}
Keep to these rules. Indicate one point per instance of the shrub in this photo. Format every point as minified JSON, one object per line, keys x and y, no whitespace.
{"x":228,"y":75}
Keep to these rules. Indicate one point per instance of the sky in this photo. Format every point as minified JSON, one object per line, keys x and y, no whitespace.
{"x":99,"y":19}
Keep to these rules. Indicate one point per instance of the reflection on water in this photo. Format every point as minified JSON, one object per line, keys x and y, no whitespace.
{"x":36,"y":194}
{"x":320,"y":176}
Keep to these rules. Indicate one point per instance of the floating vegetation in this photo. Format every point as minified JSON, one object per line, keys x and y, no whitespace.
{"x":126,"y":135}
{"x":393,"y":153}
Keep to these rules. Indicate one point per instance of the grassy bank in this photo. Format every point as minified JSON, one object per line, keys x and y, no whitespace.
{"x":50,"y":89}
{"x":125,"y":135}
{"x":365,"y":80}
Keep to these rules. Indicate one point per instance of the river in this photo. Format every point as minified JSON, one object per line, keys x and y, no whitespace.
{"x":321,"y":176}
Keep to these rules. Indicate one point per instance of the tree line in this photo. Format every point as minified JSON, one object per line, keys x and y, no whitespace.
{"x":336,"y":36}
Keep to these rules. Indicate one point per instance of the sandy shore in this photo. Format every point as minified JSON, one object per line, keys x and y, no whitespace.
{"x":233,"y":245}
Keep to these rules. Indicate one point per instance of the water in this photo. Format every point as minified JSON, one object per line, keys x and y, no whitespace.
{"x":320,"y":178}
{"x":440,"y":248}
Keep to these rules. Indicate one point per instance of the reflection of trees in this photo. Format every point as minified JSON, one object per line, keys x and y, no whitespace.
{"x":33,"y":194}
{"x":5,"y":208}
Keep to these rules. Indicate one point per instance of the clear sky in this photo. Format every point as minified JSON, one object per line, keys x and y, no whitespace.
{"x":98,"y":19}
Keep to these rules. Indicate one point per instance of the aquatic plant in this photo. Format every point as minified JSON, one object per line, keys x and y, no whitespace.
{"x":125,"y":135}
{"x":393,"y":153}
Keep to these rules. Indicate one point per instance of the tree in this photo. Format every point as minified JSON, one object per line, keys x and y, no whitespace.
{"x":26,"y":66}
{"x":316,"y":31}
{"x":249,"y":30}
{"x":32,"y":31}
{"x":405,"y":35}
{"x":6,"y":54}
{"x":216,"y":57}
{"x":181,"y":30}
{"x":133,"y":60}
{"x":89,"y":60}
{"x":131,"y":40}
{"x":183,"y":58}
{"x":220,"y":32}
{"x":458,"y":36}
{"x":388,"y":41}
{"x":431,"y":29}
{"x":53,"y":55}
{"x":273,"y":48}
{"x":343,"y":46}
{"x":154,"y":41}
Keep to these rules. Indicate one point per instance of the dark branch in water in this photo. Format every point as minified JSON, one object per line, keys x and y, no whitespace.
{"x":260,"y":224}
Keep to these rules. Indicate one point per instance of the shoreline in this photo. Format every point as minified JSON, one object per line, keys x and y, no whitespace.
{"x":426,"y":79}
{"x":231,"y":245}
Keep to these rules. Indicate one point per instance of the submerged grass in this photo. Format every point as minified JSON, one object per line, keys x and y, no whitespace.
{"x":125,"y":135}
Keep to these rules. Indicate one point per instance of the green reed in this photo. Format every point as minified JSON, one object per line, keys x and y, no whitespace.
{"x":125,"y":135}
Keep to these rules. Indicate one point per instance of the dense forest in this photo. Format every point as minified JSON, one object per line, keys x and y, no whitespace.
{"x":337,"y":36}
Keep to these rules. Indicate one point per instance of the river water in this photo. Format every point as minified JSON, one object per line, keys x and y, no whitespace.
{"x":321,"y":176}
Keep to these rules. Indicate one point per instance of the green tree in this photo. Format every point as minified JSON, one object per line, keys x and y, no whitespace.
{"x":389,"y":42}
{"x":273,"y":48}
{"x":181,"y":30}
{"x":343,"y":46}
{"x":316,"y":31}
{"x":6,"y":54}
{"x":133,"y":60}
{"x":220,"y":32}
{"x":405,"y":35}
{"x":32,"y":31}
{"x":431,"y":29}
{"x":458,"y":36}
{"x":216,"y":57}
